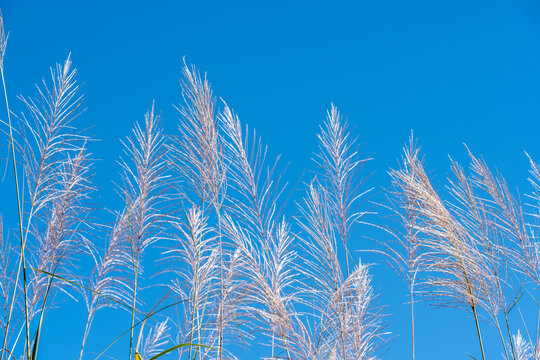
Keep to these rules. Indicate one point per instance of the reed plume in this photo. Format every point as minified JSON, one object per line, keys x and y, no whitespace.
{"x":201,"y":162}
{"x":156,"y":339}
{"x":143,"y":192}
{"x":468,"y":241}
{"x":195,"y":261}
{"x":523,"y":348}
{"x":57,"y":172}
{"x":22,"y":260}
{"x":340,"y":163}
{"x":264,"y":243}
{"x":347,"y":323}
{"x":108,"y":285}
{"x":452,"y":255}
{"x":403,"y":251}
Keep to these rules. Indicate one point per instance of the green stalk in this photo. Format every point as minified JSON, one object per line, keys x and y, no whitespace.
{"x":473,"y":307}
{"x":134,"y":305}
{"x":38,"y":331}
{"x":151,"y":313}
{"x":22,"y":262}
{"x":502,"y":338}
{"x":510,"y":335}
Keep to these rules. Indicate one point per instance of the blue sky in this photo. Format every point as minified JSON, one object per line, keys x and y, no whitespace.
{"x":454,"y":72}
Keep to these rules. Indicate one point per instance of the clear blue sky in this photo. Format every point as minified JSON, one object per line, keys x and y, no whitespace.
{"x":455,"y":72}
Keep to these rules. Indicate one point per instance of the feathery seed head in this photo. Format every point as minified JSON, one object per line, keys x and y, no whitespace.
{"x":3,"y":41}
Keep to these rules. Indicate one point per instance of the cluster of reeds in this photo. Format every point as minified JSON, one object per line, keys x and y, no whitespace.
{"x":240,"y":265}
{"x":477,"y":250}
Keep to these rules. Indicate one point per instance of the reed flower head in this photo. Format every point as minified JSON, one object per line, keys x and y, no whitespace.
{"x":198,"y":151}
{"x":3,"y":41}
{"x":156,"y":340}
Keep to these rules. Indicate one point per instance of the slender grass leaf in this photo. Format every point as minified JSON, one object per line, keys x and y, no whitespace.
{"x":165,"y":352}
{"x":149,"y":315}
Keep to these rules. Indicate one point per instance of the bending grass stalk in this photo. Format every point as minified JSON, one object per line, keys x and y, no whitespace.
{"x":41,"y":316}
{"x":147,"y":316}
{"x":125,"y":305}
{"x":150,"y":314}
{"x":165,"y":352}
{"x":10,"y":353}
{"x":467,"y":283}
{"x":87,"y":329}
{"x":22,"y":262}
{"x":473,"y":307}
{"x":38,"y":331}
{"x":86,"y":288}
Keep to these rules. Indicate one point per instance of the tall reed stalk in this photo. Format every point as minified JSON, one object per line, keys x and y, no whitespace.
{"x":22,"y":260}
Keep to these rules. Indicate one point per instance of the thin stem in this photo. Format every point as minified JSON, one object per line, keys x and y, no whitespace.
{"x":220,"y":286}
{"x":196,"y":290}
{"x":510,"y":335}
{"x":86,"y":332}
{"x":344,"y":238}
{"x":22,"y":262}
{"x":537,"y":332}
{"x":135,"y":271}
{"x":502,"y":338}
{"x":412,"y":320}
{"x":41,"y":316}
{"x":133,"y":312}
{"x":347,"y":258}
{"x":473,"y":307}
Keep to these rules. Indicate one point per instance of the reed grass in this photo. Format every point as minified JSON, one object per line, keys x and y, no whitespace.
{"x":240,"y":264}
